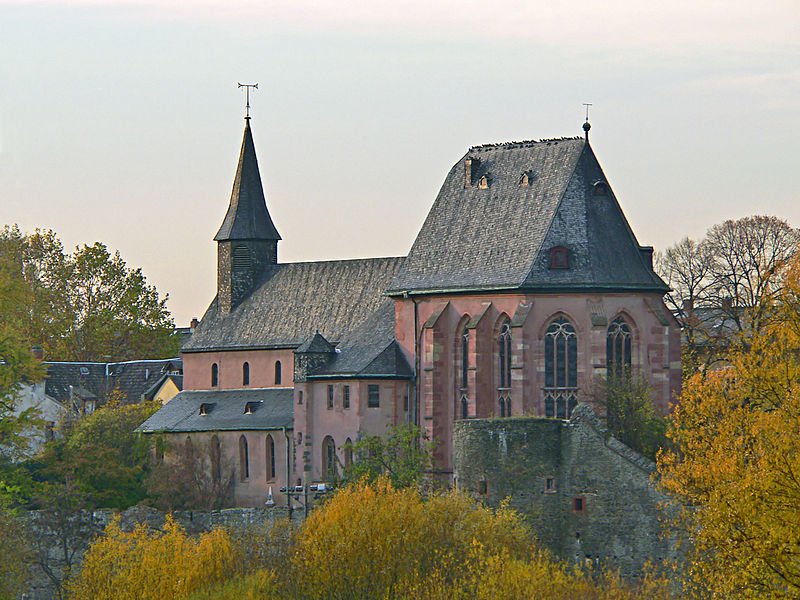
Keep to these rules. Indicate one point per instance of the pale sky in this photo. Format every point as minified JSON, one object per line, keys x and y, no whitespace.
{"x":121,"y":121}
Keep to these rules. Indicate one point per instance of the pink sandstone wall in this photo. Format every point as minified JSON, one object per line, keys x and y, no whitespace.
{"x":250,"y":491}
{"x":440,"y":322}
{"x":197,"y":369}
{"x":314,"y":421}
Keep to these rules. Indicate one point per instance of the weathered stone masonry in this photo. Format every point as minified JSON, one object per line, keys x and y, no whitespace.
{"x":543,"y":466}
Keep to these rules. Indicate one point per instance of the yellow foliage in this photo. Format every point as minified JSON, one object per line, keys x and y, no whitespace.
{"x":736,"y":464}
{"x":158,"y":565}
{"x":370,"y":538}
{"x":259,"y":585}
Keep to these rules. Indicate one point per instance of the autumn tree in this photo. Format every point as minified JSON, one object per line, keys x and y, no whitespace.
{"x":17,"y":553}
{"x":190,"y":475}
{"x":85,"y":305}
{"x":403,"y":455}
{"x":726,"y":285}
{"x":102,"y":456}
{"x":160,"y":565}
{"x":630,"y":413}
{"x":374,"y":541}
{"x":736,"y":461}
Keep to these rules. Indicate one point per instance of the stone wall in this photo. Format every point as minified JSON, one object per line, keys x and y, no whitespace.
{"x":587,"y":496}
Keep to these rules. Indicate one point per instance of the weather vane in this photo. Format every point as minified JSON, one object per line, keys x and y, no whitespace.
{"x":247,"y":87}
{"x":586,"y":125}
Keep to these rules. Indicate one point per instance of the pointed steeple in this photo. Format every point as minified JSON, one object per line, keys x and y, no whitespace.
{"x":247,"y":217}
{"x":247,"y":241}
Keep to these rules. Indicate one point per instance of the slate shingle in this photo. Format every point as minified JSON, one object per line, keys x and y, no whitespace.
{"x":272,"y":409}
{"x":496,"y":238}
{"x":369,"y":350}
{"x":296,"y":299}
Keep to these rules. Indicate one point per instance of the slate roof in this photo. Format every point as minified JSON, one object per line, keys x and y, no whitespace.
{"x":247,"y":217}
{"x":370,"y":350}
{"x":296,"y":299}
{"x":131,"y":378}
{"x":499,"y":237}
{"x":272,"y":409}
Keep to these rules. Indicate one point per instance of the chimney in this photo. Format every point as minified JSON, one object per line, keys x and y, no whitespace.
{"x":37,"y":352}
{"x":727,"y":304}
{"x":194,"y":323}
{"x":688,"y":305}
{"x":468,"y":170}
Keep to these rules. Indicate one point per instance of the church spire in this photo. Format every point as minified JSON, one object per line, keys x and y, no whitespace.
{"x":247,"y":217}
{"x":247,"y":241}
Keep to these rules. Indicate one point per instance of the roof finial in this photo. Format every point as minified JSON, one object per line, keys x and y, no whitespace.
{"x":586,"y":125}
{"x":247,"y":87}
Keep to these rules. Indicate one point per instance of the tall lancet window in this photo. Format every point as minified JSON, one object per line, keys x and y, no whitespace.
{"x":465,"y":359}
{"x":504,"y":352}
{"x":561,"y":369}
{"x":618,"y":348}
{"x":270,"y":446}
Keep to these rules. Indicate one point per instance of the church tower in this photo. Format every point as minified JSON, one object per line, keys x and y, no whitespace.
{"x":247,"y":241}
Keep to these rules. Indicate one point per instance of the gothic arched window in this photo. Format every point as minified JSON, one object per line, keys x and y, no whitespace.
{"x":502,"y":403}
{"x":214,"y":375}
{"x":464,"y":407}
{"x":278,"y":372}
{"x":246,"y":373}
{"x":465,"y":359}
{"x":505,"y":356}
{"x":244,"y":459}
{"x":329,"y":471}
{"x":618,"y":348}
{"x":270,"y":458}
{"x":560,"y":369}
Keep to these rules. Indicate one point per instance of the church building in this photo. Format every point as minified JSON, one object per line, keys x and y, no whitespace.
{"x":524,"y":287}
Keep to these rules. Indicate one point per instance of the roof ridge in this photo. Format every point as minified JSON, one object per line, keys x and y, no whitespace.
{"x":522,"y":144}
{"x":341,"y":260}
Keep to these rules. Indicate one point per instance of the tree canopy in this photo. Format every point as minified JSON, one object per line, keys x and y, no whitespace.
{"x":87,"y":305}
{"x":735,"y":465}
{"x":726,"y":285}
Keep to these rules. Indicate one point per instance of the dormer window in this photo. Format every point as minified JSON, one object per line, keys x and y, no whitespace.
{"x":205,"y":408}
{"x":250,"y":408}
{"x":559,"y":258}
{"x":483,"y":183}
{"x":600,"y":188}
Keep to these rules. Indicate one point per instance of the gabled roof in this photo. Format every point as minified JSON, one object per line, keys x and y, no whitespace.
{"x":497,"y":236}
{"x":132,"y":378}
{"x":271,"y":408}
{"x":296,"y":299}
{"x":370,"y":350}
{"x":316,"y":344}
{"x":247,"y":217}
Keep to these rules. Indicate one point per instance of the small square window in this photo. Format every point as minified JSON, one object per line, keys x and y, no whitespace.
{"x":550,"y":485}
{"x":374,"y":396}
{"x":579,"y":505}
{"x":346,"y":396}
{"x":330,"y":396}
